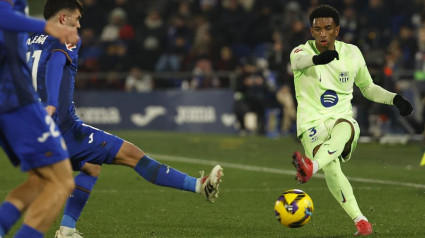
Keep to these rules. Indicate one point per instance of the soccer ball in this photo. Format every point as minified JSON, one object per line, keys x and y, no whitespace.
{"x":293,"y":208}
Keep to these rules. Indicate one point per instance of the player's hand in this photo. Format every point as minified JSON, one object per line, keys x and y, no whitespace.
{"x":65,"y":34}
{"x":403,"y":106}
{"x":325,"y":57}
{"x":50,"y":110}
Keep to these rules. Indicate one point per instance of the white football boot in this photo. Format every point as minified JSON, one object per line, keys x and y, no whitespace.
{"x":210,"y":183}
{"x":66,"y":232}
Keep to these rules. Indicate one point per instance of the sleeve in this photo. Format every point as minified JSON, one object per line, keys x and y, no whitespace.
{"x":11,"y":21}
{"x":54,"y":72}
{"x":300,"y":59}
{"x":377,"y":94}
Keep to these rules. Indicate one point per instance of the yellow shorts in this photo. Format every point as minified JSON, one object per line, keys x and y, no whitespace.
{"x":321,"y":132}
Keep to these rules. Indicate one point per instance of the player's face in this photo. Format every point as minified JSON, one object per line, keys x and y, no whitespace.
{"x":324,"y":32}
{"x":72,"y":18}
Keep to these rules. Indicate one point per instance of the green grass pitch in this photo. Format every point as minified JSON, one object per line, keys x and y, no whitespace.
{"x":387,"y":180}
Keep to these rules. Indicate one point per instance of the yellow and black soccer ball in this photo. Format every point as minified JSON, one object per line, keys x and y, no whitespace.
{"x":293,"y":208}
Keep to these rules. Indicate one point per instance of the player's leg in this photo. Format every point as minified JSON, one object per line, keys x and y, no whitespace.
{"x":342,"y":191}
{"x":37,"y":147}
{"x":84,"y":183}
{"x":17,"y":201}
{"x":164,"y":175}
{"x":340,"y":140}
{"x":57,"y":185}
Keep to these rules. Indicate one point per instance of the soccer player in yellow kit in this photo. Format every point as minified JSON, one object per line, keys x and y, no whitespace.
{"x":325,"y":71}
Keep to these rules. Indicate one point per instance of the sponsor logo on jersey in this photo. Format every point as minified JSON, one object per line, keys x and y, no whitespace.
{"x":343,"y":77}
{"x":329,"y":98}
{"x":70,"y":47}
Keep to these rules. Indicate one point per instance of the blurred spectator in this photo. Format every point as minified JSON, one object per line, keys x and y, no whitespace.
{"x":150,"y":39}
{"x":138,"y":81}
{"x":202,"y":75}
{"x":226,"y":61}
{"x":251,"y":94}
{"x":115,"y":58}
{"x":177,"y":46}
{"x":117,"y":28}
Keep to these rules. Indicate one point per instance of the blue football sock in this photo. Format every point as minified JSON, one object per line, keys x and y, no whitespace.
{"x":163,"y":175}
{"x":84,"y":183}
{"x":27,"y":231}
{"x":9,"y":215}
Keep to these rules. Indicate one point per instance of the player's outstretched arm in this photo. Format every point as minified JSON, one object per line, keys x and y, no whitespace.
{"x":378,"y":94}
{"x":403,"y":106}
{"x":325,"y":57}
{"x":301,"y":60}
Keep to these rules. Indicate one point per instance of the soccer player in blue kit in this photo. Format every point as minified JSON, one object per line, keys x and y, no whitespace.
{"x":54,"y":66}
{"x":28,"y":134}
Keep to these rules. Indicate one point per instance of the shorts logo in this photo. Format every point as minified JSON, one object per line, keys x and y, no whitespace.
{"x":329,"y":98}
{"x":343,"y":77}
{"x":331,"y":152}
{"x":91,"y":138}
{"x":43,"y":137}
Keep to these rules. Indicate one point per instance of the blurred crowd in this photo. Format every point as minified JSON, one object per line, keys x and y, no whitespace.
{"x":244,"y":45}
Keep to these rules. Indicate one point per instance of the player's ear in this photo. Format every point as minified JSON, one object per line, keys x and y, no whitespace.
{"x":337,"y":29}
{"x":62,"y":17}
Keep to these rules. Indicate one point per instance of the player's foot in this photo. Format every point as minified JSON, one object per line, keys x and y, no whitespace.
{"x":210,"y":183}
{"x":304,"y":167}
{"x":364,"y":228}
{"x":66,"y":232}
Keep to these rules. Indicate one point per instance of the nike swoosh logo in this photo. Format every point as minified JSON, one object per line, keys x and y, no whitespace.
{"x":332,"y":152}
{"x":343,"y":197}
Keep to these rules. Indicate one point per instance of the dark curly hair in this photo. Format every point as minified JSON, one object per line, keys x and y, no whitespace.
{"x":324,"y":11}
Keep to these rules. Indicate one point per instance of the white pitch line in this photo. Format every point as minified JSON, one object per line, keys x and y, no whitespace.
{"x":277,"y":171}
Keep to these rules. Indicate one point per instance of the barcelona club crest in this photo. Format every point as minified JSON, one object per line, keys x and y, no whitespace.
{"x":343,"y":77}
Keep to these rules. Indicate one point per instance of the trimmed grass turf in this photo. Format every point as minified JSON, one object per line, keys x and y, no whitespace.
{"x":124,"y":205}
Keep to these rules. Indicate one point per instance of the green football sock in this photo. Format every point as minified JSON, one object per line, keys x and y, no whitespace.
{"x":333,"y":147}
{"x":341,"y":189}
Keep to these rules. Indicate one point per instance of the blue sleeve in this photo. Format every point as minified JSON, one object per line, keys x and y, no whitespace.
{"x":54,"y":72}
{"x":11,"y":21}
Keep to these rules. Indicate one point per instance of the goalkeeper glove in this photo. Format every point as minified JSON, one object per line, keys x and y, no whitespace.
{"x":403,"y":106}
{"x":325,"y":57}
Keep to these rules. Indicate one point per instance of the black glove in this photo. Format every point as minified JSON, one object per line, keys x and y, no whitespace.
{"x":325,"y":57}
{"x":403,"y":106}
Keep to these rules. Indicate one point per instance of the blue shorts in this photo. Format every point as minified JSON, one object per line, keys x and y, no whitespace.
{"x":30,"y":137}
{"x":88,"y":144}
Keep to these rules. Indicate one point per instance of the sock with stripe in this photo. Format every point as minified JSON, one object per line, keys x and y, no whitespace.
{"x":84,"y":183}
{"x":163,"y":175}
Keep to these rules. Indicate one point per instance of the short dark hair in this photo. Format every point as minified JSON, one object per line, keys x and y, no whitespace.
{"x":51,"y":7}
{"x":324,"y":11}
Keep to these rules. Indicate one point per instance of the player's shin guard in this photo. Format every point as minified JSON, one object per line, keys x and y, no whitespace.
{"x":84,"y":183}
{"x":163,"y":175}
{"x":334,"y":146}
{"x":9,"y":215}
{"x":341,"y":189}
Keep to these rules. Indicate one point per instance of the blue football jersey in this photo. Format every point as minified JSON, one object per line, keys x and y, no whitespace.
{"x":40,"y":49}
{"x":15,"y":76}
